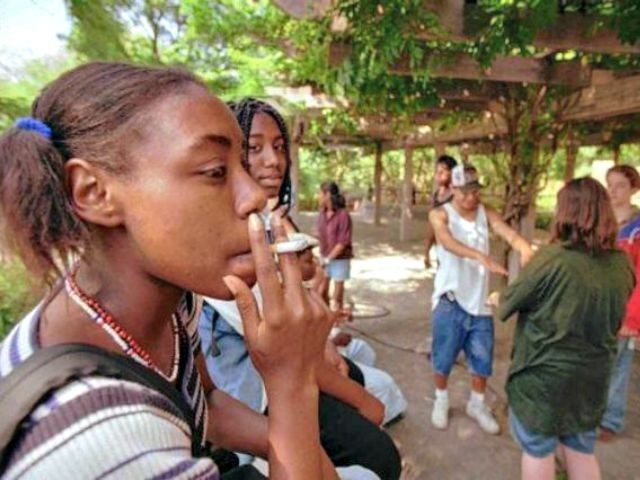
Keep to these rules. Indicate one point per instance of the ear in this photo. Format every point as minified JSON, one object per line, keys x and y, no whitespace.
{"x":92,"y":194}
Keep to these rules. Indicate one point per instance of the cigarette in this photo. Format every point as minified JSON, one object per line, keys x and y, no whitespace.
{"x":292,"y":246}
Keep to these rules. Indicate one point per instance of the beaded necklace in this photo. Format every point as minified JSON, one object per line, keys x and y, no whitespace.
{"x":123,"y":339}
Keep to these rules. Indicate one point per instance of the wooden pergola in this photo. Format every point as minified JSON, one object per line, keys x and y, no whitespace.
{"x":598,"y":99}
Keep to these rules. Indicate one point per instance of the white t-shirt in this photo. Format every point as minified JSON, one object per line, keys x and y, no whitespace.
{"x":467,"y":279}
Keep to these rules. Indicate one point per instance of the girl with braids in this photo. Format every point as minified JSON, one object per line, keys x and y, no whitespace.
{"x":273,"y":175}
{"x":349,"y":414}
{"x":103,"y":191}
{"x":334,"y":230}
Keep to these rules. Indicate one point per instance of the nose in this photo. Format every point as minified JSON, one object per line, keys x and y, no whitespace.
{"x":270,"y":157}
{"x":249,"y":196}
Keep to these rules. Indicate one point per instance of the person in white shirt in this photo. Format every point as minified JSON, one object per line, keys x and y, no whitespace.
{"x":461,"y":318}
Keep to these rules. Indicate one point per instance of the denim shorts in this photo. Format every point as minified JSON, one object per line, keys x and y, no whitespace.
{"x":455,"y":330}
{"x":540,"y":446}
{"x":339,"y":270}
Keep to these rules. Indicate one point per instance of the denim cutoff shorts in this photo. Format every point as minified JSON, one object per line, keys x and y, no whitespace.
{"x":455,"y":330}
{"x":540,"y":446}
{"x":339,"y":270}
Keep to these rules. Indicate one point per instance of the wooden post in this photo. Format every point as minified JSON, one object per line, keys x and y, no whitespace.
{"x":616,"y":154}
{"x":440,"y":149}
{"x":377,"y":185}
{"x":407,"y":190}
{"x":572,"y":154}
{"x":464,"y":153}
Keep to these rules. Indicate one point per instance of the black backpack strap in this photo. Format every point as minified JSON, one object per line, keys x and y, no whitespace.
{"x":50,"y":368}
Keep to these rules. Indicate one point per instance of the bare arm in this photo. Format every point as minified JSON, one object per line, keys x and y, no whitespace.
{"x":350,"y":392}
{"x":438,"y":220}
{"x":232,"y":424}
{"x":429,"y":242}
{"x":336,"y":251}
{"x":515,"y":241}
{"x":236,"y":427}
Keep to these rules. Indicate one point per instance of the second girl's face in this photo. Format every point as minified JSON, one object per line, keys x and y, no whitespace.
{"x":620,"y":189}
{"x":443,"y":175}
{"x":267,"y":154}
{"x":187,"y":201}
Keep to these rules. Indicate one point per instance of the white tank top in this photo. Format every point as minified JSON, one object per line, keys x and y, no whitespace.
{"x":465,"y":278}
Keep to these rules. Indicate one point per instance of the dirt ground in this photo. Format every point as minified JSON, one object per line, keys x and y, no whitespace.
{"x":391,"y":274}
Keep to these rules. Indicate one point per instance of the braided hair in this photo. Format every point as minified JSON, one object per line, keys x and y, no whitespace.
{"x":245,"y":110}
{"x":447,"y":161}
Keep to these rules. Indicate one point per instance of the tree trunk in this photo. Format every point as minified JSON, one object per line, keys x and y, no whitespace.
{"x":407,"y":191}
{"x":377,"y":185}
{"x":616,"y":154}
{"x":570,"y":167}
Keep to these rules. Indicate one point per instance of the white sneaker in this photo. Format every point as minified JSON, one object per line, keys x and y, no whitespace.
{"x":440,"y":413}
{"x":481,"y":414}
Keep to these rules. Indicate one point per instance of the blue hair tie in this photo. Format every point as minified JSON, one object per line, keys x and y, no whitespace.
{"x":34,"y":125}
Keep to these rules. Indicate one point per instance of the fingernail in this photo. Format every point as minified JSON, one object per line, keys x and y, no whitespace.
{"x":228,"y":281}
{"x":255,"y":223}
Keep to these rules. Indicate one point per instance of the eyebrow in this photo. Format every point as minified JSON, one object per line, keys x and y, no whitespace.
{"x":262,"y":135}
{"x":212,"y":138}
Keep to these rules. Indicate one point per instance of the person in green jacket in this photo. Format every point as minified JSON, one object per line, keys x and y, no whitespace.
{"x":571,"y":301}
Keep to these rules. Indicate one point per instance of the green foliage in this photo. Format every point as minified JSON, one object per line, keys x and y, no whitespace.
{"x":379,"y":41}
{"x":97,"y":31}
{"x":508,"y":27}
{"x":353,"y":169}
{"x":18,"y":92}
{"x":17,"y":295}
{"x":624,"y":15}
{"x":543,"y":220}
{"x":10,"y":109}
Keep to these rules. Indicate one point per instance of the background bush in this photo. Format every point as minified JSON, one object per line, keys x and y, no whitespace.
{"x":17,"y":294}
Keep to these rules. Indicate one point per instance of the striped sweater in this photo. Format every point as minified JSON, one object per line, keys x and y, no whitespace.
{"x":103,"y":428}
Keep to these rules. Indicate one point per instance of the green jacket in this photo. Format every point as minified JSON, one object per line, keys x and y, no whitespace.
{"x":570,"y":304}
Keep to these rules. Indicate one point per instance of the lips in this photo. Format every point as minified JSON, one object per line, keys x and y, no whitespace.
{"x":242,"y":266}
{"x":271,"y":181}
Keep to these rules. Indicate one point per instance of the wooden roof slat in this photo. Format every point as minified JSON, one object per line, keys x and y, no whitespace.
{"x":503,"y":69}
{"x":619,"y":97}
{"x":571,"y":31}
{"x":302,"y":9}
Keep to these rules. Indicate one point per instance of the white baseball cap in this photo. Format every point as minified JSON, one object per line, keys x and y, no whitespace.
{"x":465,"y":176}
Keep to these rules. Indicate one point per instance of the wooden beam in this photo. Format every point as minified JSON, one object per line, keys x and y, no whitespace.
{"x":619,"y":97}
{"x":463,"y":22}
{"x":503,"y":69}
{"x":304,"y":9}
{"x":460,"y":90}
{"x":484,"y":129}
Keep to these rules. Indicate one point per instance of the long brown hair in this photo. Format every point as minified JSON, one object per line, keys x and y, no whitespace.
{"x":95,"y":112}
{"x":584,"y":216}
